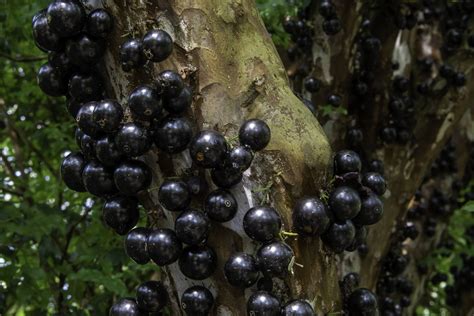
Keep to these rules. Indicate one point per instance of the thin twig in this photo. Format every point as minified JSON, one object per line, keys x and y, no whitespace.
{"x":22,"y":59}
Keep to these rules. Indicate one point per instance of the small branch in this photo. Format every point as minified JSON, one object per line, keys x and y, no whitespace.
{"x":22,"y":59}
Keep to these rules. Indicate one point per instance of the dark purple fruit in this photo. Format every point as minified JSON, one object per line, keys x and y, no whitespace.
{"x":226,"y":177}
{"x":133,"y":140}
{"x":346,"y":161}
{"x":255,"y":134}
{"x":174,"y":195}
{"x":197,"y":301}
{"x":51,"y":81}
{"x":108,"y":114}
{"x":136,"y":245}
{"x":85,"y":87}
{"x":197,"y":185}
{"x":339,"y":236}
{"x":262,"y":303}
{"x":152,"y":296}
{"x":274,"y":259}
{"x":66,"y":17}
{"x":220,"y":206}
{"x":362,"y":302}
{"x":344,"y":203}
{"x":85,"y":121}
{"x":132,"y":177}
{"x":170,"y":83}
{"x":132,"y":55}
{"x":332,"y":26}
{"x":61,"y":63}
{"x":377,"y":166}
{"x":298,"y":308}
{"x":334,"y":100}
{"x":99,"y":23}
{"x":121,"y":214}
{"x":158,"y":45}
{"x":45,"y":38}
{"x":87,"y":144}
{"x":241,"y":270}
{"x":145,"y":102}
{"x":208,"y":149}
{"x":375,"y":182}
{"x":192,"y":227}
{"x":262,"y":223}
{"x":359,"y":238}
{"x":173,"y":134}
{"x":240,"y":158}
{"x":371,"y":211}
{"x":310,"y":217}
{"x":312,"y":84}
{"x":198,"y":262}
{"x":180,"y":103}
{"x":85,"y":50}
{"x":98,"y":180}
{"x":163,"y":246}
{"x":125,"y":307}
{"x":71,"y":171}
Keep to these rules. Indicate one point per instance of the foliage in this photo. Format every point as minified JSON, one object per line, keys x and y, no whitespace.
{"x":55,"y":253}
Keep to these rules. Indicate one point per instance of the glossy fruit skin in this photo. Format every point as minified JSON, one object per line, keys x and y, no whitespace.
{"x":66,"y":17}
{"x":174,"y":195}
{"x":108,"y":115}
{"x":106,"y":151}
{"x":375,"y":182}
{"x":312,"y":84}
{"x":98,"y":180}
{"x":133,"y":140}
{"x":363,"y":302}
{"x":208,"y":149}
{"x":71,"y":171}
{"x":136,"y":245}
{"x":61,"y":63}
{"x":262,"y":303}
{"x":240,"y":158}
{"x":221,"y":206}
{"x":192,"y":227}
{"x":339,"y":235}
{"x":298,"y":308}
{"x":159,"y":44}
{"x":125,"y":307}
{"x":85,"y":121}
{"x":274,"y":259}
{"x":170,"y":83}
{"x":99,"y":23}
{"x":45,"y":38}
{"x":198,"y":262}
{"x":310,"y":217}
{"x":226,"y":177}
{"x":173,"y":134}
{"x":262,"y":223}
{"x":197,"y":301}
{"x":255,"y":134}
{"x":346,"y":161}
{"x":152,"y":296}
{"x":344,"y":203}
{"x":180,"y":103}
{"x":359,"y":238}
{"x":377,"y":166}
{"x":121,"y":214}
{"x":132,"y":55}
{"x":163,"y":246}
{"x":241,"y":270}
{"x":51,"y":81}
{"x":87,"y":145}
{"x":132,"y":176}
{"x":85,"y":87}
{"x":85,"y":50}
{"x":145,"y":102}
{"x":371,"y":211}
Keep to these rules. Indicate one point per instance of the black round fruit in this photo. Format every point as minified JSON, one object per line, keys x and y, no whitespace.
{"x":198,"y":262}
{"x":375,"y":182}
{"x":377,"y":166}
{"x":255,"y":134}
{"x":125,"y":307}
{"x":45,"y":38}
{"x":152,"y":296}
{"x":85,"y":121}
{"x":298,"y":308}
{"x":174,"y":195}
{"x":163,"y":246}
{"x":132,"y":55}
{"x":262,"y":223}
{"x":339,"y":235}
{"x":359,"y":238}
{"x":132,"y":177}
{"x":240,"y":158}
{"x":173,"y":134}
{"x":371,"y":211}
{"x":362,"y":302}
{"x":99,"y":23}
{"x":85,"y":87}
{"x":85,"y":50}
{"x":192,"y":227}
{"x":226,"y":177}
{"x":310,"y":217}
{"x":51,"y":81}
{"x":181,"y":103}
{"x":66,"y":17}
{"x":145,"y":102}
{"x":220,"y":206}
{"x":98,"y":180}
{"x":136,"y":245}
{"x":108,"y":114}
{"x":208,"y":149}
{"x":61,"y":62}
{"x":344,"y":203}
{"x":133,"y":140}
{"x":158,"y":45}
{"x":274,"y":259}
{"x":241,"y":270}
{"x":121,"y":214}
{"x":71,"y":171}
{"x":170,"y":83}
{"x":87,"y":144}
{"x":346,"y":161}
{"x":262,"y":303}
{"x":312,"y":84}
{"x":197,"y":301}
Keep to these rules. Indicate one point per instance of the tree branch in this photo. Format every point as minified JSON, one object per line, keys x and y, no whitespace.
{"x":22,"y":59}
